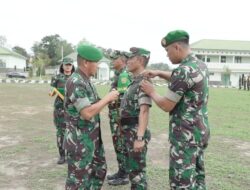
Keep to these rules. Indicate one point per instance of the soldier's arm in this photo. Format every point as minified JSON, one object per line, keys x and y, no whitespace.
{"x":162,"y":102}
{"x":143,"y":120}
{"x":162,"y":74}
{"x":93,"y":109}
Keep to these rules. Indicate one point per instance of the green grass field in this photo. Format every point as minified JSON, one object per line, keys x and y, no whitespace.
{"x":28,"y":151}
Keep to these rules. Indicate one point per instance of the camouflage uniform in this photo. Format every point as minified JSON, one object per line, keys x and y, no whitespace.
{"x":116,"y":133}
{"x":130,"y":109}
{"x":248,"y":83}
{"x":239,"y":82}
{"x":58,"y":82}
{"x":86,"y":160}
{"x":189,"y":129}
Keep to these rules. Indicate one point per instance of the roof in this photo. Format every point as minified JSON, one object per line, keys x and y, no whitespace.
{"x":222,"y":45}
{"x":5,"y":51}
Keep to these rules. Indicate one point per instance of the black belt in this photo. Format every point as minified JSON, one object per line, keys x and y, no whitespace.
{"x":129,"y":121}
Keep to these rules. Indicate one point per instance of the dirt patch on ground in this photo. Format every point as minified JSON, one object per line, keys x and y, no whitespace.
{"x":8,"y":141}
{"x":242,"y":146}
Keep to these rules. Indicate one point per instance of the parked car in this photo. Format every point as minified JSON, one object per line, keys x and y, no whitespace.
{"x":15,"y":74}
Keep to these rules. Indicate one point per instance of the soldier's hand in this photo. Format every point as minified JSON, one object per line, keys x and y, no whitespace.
{"x":139,"y":145}
{"x":150,"y":73}
{"x":113,"y":95}
{"x":147,"y":87}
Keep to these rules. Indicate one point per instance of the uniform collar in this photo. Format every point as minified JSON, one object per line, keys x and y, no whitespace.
{"x":189,"y":58}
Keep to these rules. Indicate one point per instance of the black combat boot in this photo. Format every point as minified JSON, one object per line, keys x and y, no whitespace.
{"x":119,"y":178}
{"x":61,"y":159}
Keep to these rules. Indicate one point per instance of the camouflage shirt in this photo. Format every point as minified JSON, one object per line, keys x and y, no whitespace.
{"x":133,"y":99}
{"x":79,"y":94}
{"x":189,"y":88}
{"x":59,"y":82}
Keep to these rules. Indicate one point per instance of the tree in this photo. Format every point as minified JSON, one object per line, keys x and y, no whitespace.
{"x":85,"y":42}
{"x":159,"y":66}
{"x":52,"y":46}
{"x":40,"y":62}
{"x":20,"y":51}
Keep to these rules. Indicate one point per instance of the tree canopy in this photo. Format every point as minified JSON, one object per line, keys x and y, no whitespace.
{"x":159,"y":66}
{"x":54,"y":47}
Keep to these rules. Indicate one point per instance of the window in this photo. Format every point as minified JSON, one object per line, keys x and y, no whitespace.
{"x":208,"y":59}
{"x":211,"y":74}
{"x":237,"y":59}
{"x":223,"y":59}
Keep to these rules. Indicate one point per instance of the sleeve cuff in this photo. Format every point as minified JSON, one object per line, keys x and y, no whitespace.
{"x":145,"y":100}
{"x":172,"y":96}
{"x":81,"y":103}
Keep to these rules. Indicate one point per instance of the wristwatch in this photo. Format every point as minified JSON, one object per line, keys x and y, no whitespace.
{"x":139,"y":138}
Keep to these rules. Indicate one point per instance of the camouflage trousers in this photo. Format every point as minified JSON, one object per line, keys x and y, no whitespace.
{"x":60,"y":124}
{"x":186,"y":167}
{"x":118,"y":140}
{"x":86,"y":161}
{"x":136,"y":161}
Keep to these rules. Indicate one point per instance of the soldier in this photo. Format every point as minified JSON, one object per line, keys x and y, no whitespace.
{"x":186,"y":100}
{"x":248,"y":82}
{"x":83,"y":141}
{"x":245,"y":82}
{"x":240,"y":83}
{"x":120,"y":82}
{"x":135,"y":106}
{"x":58,"y":82}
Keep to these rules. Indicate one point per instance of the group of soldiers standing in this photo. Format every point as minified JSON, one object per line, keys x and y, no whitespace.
{"x":244,"y":82}
{"x":129,"y":101}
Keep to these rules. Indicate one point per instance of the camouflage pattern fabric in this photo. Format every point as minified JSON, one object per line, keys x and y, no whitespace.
{"x":117,"y":136}
{"x":130,"y":108}
{"x":86,"y":160}
{"x":248,"y":83}
{"x":189,"y":129}
{"x":58,"y":82}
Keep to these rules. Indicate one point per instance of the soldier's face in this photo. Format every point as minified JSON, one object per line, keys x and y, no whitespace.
{"x":92,"y":68}
{"x":67,"y":67}
{"x":117,"y":63}
{"x":173,"y":53}
{"x":132,"y":64}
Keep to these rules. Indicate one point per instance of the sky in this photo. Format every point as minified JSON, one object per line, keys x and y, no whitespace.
{"x":121,"y":24}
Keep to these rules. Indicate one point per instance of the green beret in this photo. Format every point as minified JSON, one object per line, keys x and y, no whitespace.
{"x":67,"y":60}
{"x":174,"y":36}
{"x":89,"y":53}
{"x":138,"y":51}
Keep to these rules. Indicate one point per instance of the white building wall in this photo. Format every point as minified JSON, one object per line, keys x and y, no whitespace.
{"x":245,"y":60}
{"x":12,"y":61}
{"x":213,"y":58}
{"x":103,"y":71}
{"x":234,"y":78}
{"x":215,"y":77}
{"x":229,"y":59}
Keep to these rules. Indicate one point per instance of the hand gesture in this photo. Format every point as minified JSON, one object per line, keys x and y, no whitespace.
{"x":113,"y":95}
{"x":139,"y":145}
{"x":150,"y":73}
{"x":147,"y":87}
